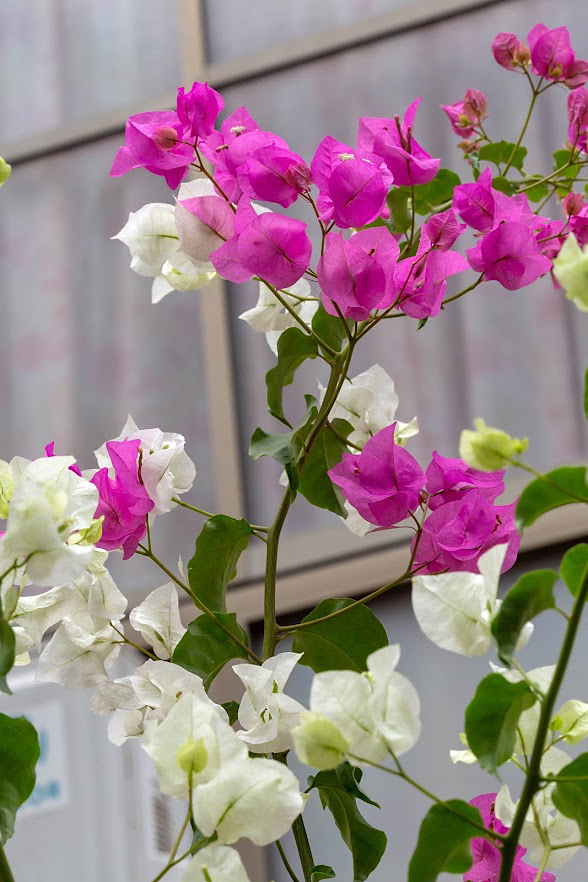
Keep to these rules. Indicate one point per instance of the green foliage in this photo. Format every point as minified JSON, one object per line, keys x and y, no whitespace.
{"x":397,"y":202}
{"x":6,"y":653}
{"x":218,"y":548}
{"x":501,"y":151}
{"x":571,"y":797}
{"x":562,"y":486}
{"x":341,"y":643}
{"x":338,"y":792}
{"x":536,"y":193}
{"x":444,"y":841}
{"x":500,"y":183}
{"x":574,"y":566}
{"x":285,"y":447}
{"x":429,"y":196}
{"x":491,"y":719}
{"x":320,"y":872}
{"x":19,"y":752}
{"x":232,"y":709}
{"x":205,"y":648}
{"x":330,"y":328}
{"x":532,"y":594}
{"x":315,"y":484}
{"x":294,"y":348}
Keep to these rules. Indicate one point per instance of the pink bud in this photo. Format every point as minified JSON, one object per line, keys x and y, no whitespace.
{"x":504,"y":47}
{"x":573,"y":204}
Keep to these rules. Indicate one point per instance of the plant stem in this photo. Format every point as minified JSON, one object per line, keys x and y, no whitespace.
{"x":286,"y":862}
{"x":524,"y":129}
{"x":5,"y":871}
{"x":543,"y":864}
{"x":303,"y":846}
{"x":197,"y":602}
{"x":209,"y":514}
{"x":533,"y":779}
{"x":546,"y":480}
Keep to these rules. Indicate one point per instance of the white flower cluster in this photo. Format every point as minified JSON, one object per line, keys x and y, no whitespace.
{"x":169,"y":244}
{"x":271,"y":318}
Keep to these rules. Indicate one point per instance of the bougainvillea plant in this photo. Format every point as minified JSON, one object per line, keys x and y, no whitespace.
{"x":390,"y":228}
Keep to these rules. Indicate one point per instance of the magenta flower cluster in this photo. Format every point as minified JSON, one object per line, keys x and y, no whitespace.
{"x":385,"y":484}
{"x":487,"y":860}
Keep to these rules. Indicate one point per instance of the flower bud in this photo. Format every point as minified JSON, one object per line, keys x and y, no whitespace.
{"x":192,"y":756}
{"x":570,"y":268}
{"x":488,"y":449}
{"x":522,"y":55}
{"x":319,"y":742}
{"x":573,"y":204}
{"x":571,"y":721}
{"x":5,"y":171}
{"x":504,"y":47}
{"x":6,"y":487}
{"x":90,"y":536}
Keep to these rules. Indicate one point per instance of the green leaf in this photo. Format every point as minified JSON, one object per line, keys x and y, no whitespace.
{"x":586,"y":394}
{"x":350,"y":778}
{"x":501,"y":151}
{"x":397,"y":202}
{"x":330,"y":328}
{"x":205,"y":648}
{"x":537,"y":193}
{"x":444,"y":841}
{"x":341,"y":643}
{"x":327,"y":451}
{"x":320,"y":872}
{"x":571,"y":797}
{"x":573,"y":567}
{"x":294,"y":347}
{"x":561,"y":158}
{"x":428,"y":196}
{"x":218,"y":548}
{"x":561,"y":487}
{"x":232,"y":709}
{"x":491,"y":719}
{"x":285,"y":447}
{"x":19,"y":752}
{"x":532,"y":594}
{"x":6,"y":654}
{"x":366,"y":843}
{"x":500,"y":183}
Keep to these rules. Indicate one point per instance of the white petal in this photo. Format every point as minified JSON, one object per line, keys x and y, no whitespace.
{"x":222,"y":864}
{"x":158,"y":620}
{"x":255,"y":798}
{"x":449,"y":609}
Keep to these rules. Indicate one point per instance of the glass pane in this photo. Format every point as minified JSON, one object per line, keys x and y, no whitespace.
{"x":81,"y":345}
{"x":235,"y":29}
{"x":486,"y":356}
{"x":62,"y":61}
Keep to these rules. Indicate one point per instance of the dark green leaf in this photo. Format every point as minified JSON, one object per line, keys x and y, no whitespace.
{"x":315,"y":484}
{"x":500,"y":183}
{"x":573,"y":567}
{"x":571,"y":797}
{"x":284,"y":448}
{"x":320,"y":872}
{"x":562,"y":486}
{"x":532,"y":594}
{"x":19,"y":752}
{"x":586,"y":394}
{"x":232,"y":709}
{"x":501,"y":151}
{"x":367,"y":845}
{"x":205,"y":648}
{"x":294,"y":347}
{"x":427,"y":197}
{"x":6,"y":653}
{"x":444,"y":841}
{"x":491,"y":719}
{"x":218,"y":548}
{"x":341,"y":643}
{"x":397,"y":202}
{"x":350,"y":778}
{"x":422,"y":323}
{"x":330,"y":328}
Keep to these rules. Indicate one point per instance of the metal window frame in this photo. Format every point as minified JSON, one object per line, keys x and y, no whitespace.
{"x":352,"y":566}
